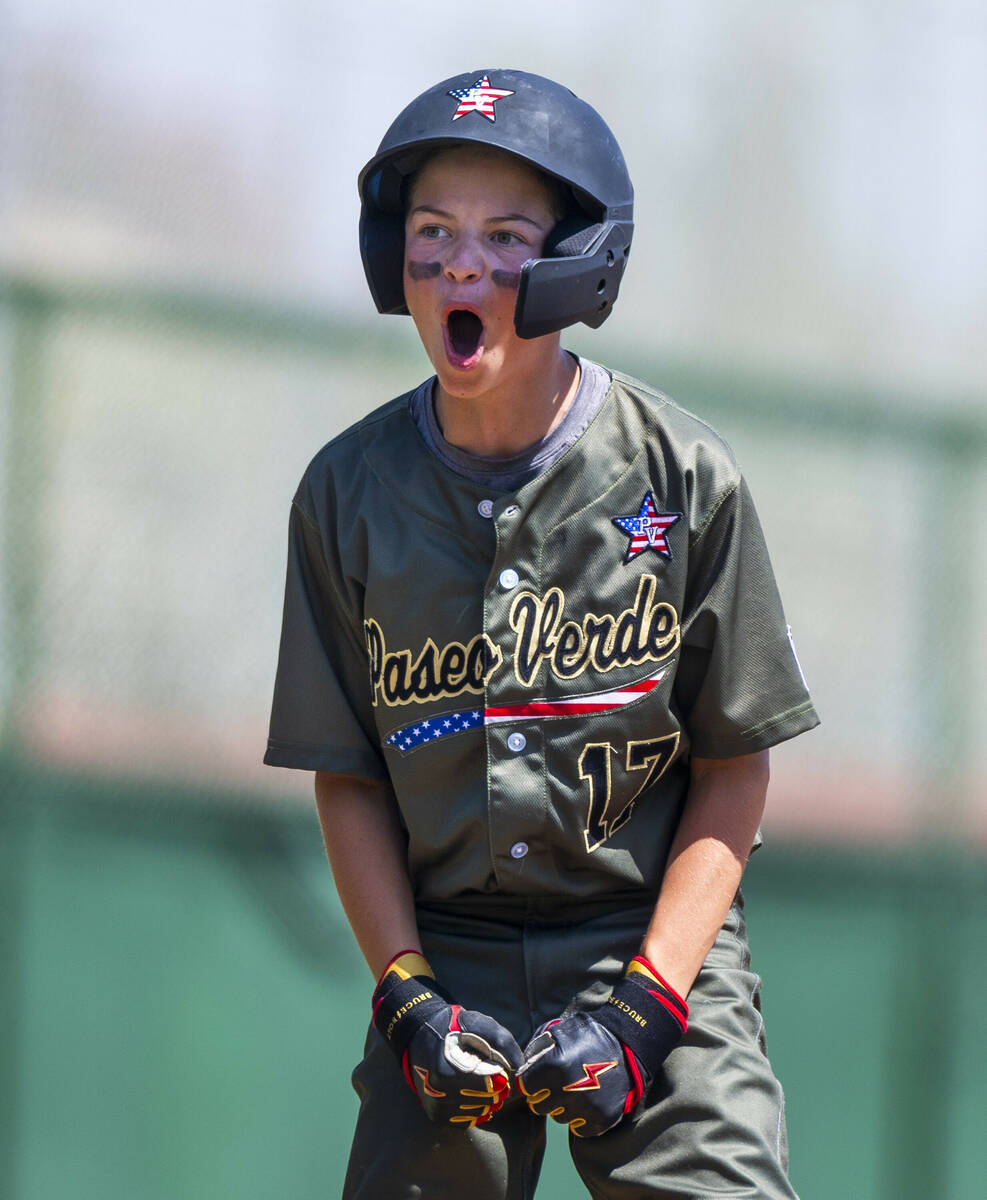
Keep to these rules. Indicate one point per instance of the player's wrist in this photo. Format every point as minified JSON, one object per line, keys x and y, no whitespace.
{"x":404,"y":965}
{"x":406,"y":995}
{"x":459,"y":1063}
{"x":641,"y":970}
{"x":647,"y":1016}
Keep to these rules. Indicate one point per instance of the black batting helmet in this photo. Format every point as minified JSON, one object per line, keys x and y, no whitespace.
{"x":544,"y":125}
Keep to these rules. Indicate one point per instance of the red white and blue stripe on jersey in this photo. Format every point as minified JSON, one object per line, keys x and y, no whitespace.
{"x":410,"y":737}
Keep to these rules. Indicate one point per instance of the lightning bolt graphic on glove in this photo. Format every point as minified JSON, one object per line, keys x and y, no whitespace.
{"x":590,"y":1079}
{"x":459,"y":1063}
{"x":590,"y":1069}
{"x":427,"y":1088}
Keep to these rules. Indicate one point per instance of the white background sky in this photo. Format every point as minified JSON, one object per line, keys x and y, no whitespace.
{"x":811,"y":177}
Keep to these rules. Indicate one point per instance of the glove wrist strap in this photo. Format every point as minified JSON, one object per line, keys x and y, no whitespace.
{"x":646,"y":1014}
{"x":405,"y":997}
{"x":643,"y":971}
{"x":404,"y":965}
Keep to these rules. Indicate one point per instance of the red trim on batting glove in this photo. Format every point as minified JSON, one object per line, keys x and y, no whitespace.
{"x":406,"y":1068}
{"x":672,"y":1008}
{"x":637,"y":1090}
{"x":662,"y":979}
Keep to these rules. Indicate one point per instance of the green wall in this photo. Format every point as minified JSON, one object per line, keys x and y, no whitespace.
{"x":182,"y":1004}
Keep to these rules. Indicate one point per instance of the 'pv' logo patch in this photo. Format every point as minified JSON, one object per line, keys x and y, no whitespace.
{"x":480,"y":98}
{"x":647,"y":529}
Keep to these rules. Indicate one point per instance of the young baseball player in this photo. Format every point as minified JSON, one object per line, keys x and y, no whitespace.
{"x":534,"y":652}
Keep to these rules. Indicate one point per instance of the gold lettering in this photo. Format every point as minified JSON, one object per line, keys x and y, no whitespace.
{"x":423,"y":676}
{"x":482,"y":659}
{"x":664,"y":634}
{"x":374,"y":636}
{"x":397,"y":679}
{"x":523,"y":618}
{"x":648,"y":630}
{"x":630,"y":638}
{"x":396,"y":668}
{"x":405,"y":1009}
{"x":452,"y":668}
{"x":631,"y":1012}
{"x":600,"y":636}
{"x":533,"y":619}
{"x":570,"y":650}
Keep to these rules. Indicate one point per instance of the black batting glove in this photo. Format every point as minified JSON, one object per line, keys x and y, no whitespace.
{"x":458,"y":1062}
{"x":588,"y":1071}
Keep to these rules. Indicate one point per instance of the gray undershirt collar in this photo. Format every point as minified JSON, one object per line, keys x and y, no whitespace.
{"x":508,"y":474}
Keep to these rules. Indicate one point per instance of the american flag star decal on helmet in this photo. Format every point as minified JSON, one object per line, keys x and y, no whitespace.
{"x":480,"y":98}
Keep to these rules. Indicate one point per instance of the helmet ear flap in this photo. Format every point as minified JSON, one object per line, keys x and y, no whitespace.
{"x":382,"y":241}
{"x":571,"y":236}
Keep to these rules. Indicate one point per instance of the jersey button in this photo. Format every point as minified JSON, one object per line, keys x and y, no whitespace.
{"x":519,"y":850}
{"x":485,"y":508}
{"x":509,"y":578}
{"x":517,"y":742}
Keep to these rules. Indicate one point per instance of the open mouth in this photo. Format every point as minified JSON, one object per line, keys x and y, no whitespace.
{"x":464,"y":337}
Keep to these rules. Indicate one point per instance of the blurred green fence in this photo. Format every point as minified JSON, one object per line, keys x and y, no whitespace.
{"x":179,"y":995}
{"x":182,"y":1003}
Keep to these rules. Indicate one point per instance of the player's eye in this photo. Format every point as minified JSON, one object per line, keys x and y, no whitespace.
{"x":431,"y":232}
{"x":506,"y":237}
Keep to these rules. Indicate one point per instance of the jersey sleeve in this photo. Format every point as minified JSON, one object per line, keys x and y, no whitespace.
{"x":321,"y":716}
{"x":739,"y":685}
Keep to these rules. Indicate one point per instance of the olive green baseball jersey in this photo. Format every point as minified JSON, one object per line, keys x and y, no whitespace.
{"x":532,"y":671}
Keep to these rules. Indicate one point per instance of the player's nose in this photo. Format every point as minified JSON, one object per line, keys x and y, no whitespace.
{"x":464,"y":262}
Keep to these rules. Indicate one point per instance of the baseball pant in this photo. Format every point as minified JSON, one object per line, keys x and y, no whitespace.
{"x":712,"y":1124}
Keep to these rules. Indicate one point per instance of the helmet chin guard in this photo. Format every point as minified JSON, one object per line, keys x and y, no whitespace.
{"x":545,"y":126}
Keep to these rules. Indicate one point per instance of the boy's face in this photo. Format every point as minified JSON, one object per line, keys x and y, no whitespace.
{"x":474,"y":218}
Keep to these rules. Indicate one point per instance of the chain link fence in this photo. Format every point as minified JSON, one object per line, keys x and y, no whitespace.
{"x":173,"y":958}
{"x":152,"y":444}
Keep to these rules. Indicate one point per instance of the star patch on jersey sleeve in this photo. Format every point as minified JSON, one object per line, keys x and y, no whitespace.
{"x":646,"y":529}
{"x":480,"y":98}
